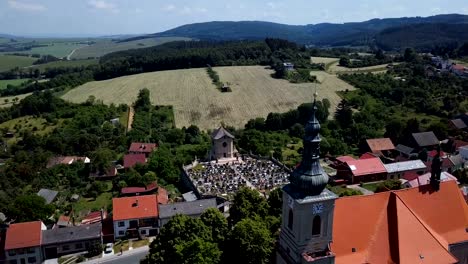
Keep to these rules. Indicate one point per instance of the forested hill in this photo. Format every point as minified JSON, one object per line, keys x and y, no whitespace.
{"x":355,"y":33}
{"x":422,"y":36}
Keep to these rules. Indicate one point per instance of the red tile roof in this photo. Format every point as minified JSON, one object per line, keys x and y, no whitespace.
{"x":379,"y":144}
{"x":366,"y":166}
{"x":345,"y":158}
{"x":142,"y":147}
{"x":163,"y":197}
{"x":433,"y":153}
{"x":130,"y":160}
{"x":93,"y":217}
{"x":24,"y":235}
{"x":399,"y":226}
{"x":367,"y":155}
{"x":133,"y":190}
{"x":136,"y":207}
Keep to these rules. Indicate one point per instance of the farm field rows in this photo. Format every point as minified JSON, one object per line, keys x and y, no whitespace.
{"x":196,"y":100}
{"x":105,"y":46}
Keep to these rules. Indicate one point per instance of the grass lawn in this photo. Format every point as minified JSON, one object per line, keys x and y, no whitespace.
{"x":123,"y":119}
{"x":140,"y":243}
{"x":370,"y":186}
{"x":38,"y":126}
{"x":291,"y":155}
{"x":104,"y":200}
{"x":124,"y":245}
{"x":4,"y":83}
{"x":8,"y":62}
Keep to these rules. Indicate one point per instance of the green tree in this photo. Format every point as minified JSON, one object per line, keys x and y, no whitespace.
{"x":102,"y":159}
{"x":275,"y":202}
{"x":215,"y":220}
{"x":162,"y":161}
{"x":247,"y":203}
{"x":344,"y":114}
{"x":30,"y":208}
{"x":249,"y":242}
{"x":344,"y":61}
{"x":183,"y":240}
{"x":143,"y":102}
{"x":393,"y":184}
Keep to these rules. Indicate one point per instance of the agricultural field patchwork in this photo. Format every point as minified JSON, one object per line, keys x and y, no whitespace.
{"x":331,"y":66}
{"x":36,"y":125}
{"x":105,"y":46}
{"x":197,"y":101}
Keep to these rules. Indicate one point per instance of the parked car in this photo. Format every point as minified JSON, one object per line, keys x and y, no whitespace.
{"x":108,"y":248}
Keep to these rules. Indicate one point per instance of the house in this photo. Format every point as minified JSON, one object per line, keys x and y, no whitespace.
{"x":130,"y":160}
{"x":459,"y":70}
{"x":189,"y":196}
{"x":288,"y":66}
{"x":142,"y":148}
{"x":64,"y":221}
{"x":381,"y":146}
{"x":23,"y":242}
{"x":362,"y":170}
{"x":426,"y":140}
{"x":193,"y":209}
{"x":107,"y":175}
{"x":129,"y":191}
{"x":135,"y":216}
{"x":431,"y":155}
{"x":399,"y":170}
{"x":63,"y":241}
{"x":456,"y":162}
{"x":458,"y":124}
{"x":426,"y":179}
{"x":463,"y":152}
{"x":48,"y":195}
{"x":66,"y":160}
{"x":405,"y":151}
{"x":222,"y":145}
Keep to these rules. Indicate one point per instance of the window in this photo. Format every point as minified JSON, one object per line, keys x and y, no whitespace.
{"x":66,"y":247}
{"x":32,"y":260}
{"x":20,"y":251}
{"x":79,"y":246}
{"x":143,"y":232}
{"x":23,"y":261}
{"x":11,"y":252}
{"x":224,"y":144}
{"x":31,"y":250}
{"x":121,"y":233}
{"x":316,"y":226}
{"x":290,"y":219}
{"x":121,"y":223}
{"x":13,"y":261}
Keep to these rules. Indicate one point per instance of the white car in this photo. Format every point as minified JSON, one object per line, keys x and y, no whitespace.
{"x":108,"y":248}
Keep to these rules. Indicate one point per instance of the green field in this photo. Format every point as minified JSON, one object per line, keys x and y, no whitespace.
{"x":8,"y":62}
{"x":4,"y":83}
{"x":104,"y":46}
{"x":38,"y":126}
{"x":65,"y":63}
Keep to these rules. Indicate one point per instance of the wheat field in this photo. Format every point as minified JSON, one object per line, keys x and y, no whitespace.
{"x":196,"y":100}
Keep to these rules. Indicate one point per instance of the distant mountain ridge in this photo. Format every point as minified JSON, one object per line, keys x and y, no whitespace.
{"x":323,"y":34}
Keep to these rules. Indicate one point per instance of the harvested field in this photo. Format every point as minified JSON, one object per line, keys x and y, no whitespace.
{"x":331,"y":66}
{"x":197,"y":101}
{"x":10,"y":99}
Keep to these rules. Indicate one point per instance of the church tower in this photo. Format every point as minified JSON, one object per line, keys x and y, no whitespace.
{"x":307,"y":217}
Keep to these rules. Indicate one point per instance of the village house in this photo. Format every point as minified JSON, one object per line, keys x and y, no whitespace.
{"x":135,"y":216}
{"x":427,"y":140}
{"x":48,"y":195}
{"x":193,"y":209}
{"x":425,"y":179}
{"x":23,"y":242}
{"x":130,"y":160}
{"x":63,"y":241}
{"x":399,"y":170}
{"x":361,"y":170}
{"x":380,"y":146}
{"x":142,"y":148}
{"x":66,"y":160}
{"x":135,"y":191}
{"x":405,"y":152}
{"x":458,"y":124}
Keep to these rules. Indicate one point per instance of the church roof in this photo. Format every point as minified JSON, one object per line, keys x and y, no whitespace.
{"x":402,"y":226}
{"x":221,"y":132}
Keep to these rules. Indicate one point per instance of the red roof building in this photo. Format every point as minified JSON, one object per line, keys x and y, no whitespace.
{"x":139,"y":190}
{"x":363,"y":170}
{"x":163,"y":197}
{"x":402,"y":226}
{"x":142,"y":148}
{"x":24,"y":235}
{"x":94,"y":217}
{"x":377,"y":145}
{"x":135,"y":216}
{"x":368,"y":155}
{"x":130,"y":160}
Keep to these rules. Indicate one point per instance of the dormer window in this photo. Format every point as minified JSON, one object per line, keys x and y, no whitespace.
{"x":316,"y":225}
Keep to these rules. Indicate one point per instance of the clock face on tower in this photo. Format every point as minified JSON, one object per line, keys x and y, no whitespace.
{"x":317,"y":208}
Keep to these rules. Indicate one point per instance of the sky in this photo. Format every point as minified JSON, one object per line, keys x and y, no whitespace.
{"x":112,"y":17}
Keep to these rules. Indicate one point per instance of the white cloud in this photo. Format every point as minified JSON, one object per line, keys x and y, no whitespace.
{"x":436,"y":10}
{"x":103,"y":5}
{"x":24,"y":6}
{"x":169,"y":8}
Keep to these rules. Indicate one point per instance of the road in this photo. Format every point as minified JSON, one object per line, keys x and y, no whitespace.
{"x":129,"y":257}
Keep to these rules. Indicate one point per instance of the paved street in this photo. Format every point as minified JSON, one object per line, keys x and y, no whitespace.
{"x":129,"y":257}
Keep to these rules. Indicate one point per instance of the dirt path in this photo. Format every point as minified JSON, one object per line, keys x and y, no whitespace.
{"x":131,"y":113}
{"x":72,"y":52}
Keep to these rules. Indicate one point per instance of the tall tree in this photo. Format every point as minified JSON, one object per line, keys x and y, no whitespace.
{"x":30,"y":208}
{"x":247,"y":203}
{"x":143,"y":102}
{"x":213,"y":219}
{"x":344,"y":114}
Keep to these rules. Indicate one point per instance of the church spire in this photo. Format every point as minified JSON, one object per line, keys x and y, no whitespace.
{"x":309,"y":177}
